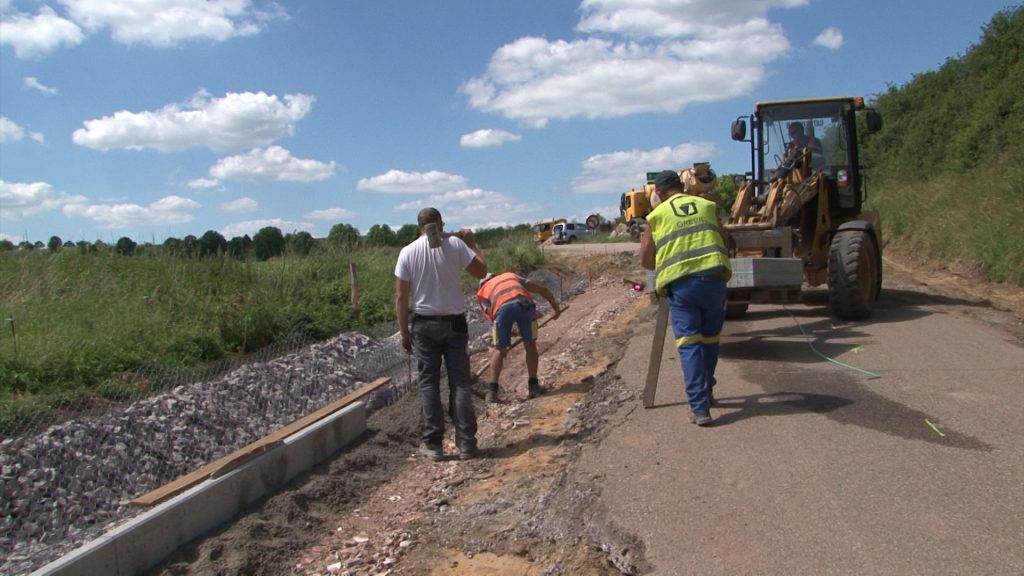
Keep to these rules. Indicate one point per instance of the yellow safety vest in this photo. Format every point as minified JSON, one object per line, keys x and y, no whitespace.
{"x":687,"y":239}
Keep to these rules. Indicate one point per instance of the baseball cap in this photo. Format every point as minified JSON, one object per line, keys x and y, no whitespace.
{"x":667,"y":180}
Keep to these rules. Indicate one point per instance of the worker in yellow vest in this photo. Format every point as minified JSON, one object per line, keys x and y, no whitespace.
{"x":505,"y":300}
{"x":684,"y":245}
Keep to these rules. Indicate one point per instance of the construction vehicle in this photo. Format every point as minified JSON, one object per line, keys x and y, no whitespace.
{"x":799,"y":214}
{"x":637,"y":203}
{"x":543,"y":229}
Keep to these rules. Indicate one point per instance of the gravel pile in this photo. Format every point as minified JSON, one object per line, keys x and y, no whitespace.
{"x":73,"y":481}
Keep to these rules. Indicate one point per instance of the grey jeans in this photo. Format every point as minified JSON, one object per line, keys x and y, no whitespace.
{"x":434,"y":340}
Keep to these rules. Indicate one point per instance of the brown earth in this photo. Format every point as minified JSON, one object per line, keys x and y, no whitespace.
{"x":380,"y":508}
{"x":526,"y":506}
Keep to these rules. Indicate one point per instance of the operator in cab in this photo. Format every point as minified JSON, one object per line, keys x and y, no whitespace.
{"x":684,"y":245}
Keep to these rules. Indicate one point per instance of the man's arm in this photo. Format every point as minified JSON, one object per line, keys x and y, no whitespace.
{"x":402,"y":312}
{"x":477,"y":268}
{"x":647,"y":249}
{"x":546,"y":294}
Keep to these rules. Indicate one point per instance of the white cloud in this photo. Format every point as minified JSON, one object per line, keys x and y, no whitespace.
{"x":167,"y":210}
{"x":244,"y":204}
{"x":667,"y":56}
{"x":671,"y":18}
{"x":487,"y":138}
{"x":413,"y":182}
{"x":235,"y":122}
{"x":9,"y":238}
{"x":34,"y":83}
{"x":831,"y":38}
{"x":164,"y":23}
{"x":36,"y":36}
{"x":202,"y":183}
{"x":273,"y":164}
{"x":332,"y":214}
{"x":251,"y":227}
{"x":616,"y":172}
{"x":18,"y":199}
{"x":474,"y":208}
{"x":10,"y":131}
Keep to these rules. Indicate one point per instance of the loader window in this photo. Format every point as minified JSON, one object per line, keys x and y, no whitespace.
{"x":818,"y":126}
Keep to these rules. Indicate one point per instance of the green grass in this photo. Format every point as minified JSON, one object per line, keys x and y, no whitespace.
{"x":975,"y":217}
{"x":74,"y":326}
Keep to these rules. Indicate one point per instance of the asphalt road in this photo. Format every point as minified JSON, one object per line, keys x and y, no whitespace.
{"x":813,"y":468}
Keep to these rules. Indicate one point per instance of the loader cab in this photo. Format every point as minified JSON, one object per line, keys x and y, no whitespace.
{"x":781,"y":130}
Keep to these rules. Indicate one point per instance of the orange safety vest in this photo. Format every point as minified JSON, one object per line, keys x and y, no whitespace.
{"x":499,"y":290}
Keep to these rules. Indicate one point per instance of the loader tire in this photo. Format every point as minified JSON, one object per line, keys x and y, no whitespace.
{"x":854,"y":274}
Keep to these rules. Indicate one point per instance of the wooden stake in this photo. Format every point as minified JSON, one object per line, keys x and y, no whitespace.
{"x":657,"y":351}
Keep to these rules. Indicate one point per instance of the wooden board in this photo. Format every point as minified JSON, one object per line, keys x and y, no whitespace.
{"x":657,"y":351}
{"x":224,"y":465}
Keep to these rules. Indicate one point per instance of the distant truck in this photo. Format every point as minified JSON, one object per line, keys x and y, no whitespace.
{"x":569,"y":232}
{"x":543,"y":229}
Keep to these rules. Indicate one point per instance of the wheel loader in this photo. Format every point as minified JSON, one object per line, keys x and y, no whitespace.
{"x":798,"y":214}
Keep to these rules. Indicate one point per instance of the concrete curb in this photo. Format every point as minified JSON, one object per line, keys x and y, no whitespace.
{"x":146,"y":540}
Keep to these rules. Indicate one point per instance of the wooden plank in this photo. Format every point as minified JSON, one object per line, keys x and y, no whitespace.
{"x":223,"y":465}
{"x":657,"y":351}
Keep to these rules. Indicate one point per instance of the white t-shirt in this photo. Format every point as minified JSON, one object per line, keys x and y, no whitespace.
{"x":433,"y":275}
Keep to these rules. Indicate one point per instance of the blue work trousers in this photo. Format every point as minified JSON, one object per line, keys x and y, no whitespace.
{"x":697,"y":304}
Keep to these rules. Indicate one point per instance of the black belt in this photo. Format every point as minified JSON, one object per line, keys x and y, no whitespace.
{"x":417,"y":317}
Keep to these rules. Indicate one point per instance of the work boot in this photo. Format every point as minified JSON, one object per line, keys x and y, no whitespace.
{"x":701,"y":418}
{"x":491,"y":396}
{"x":433,"y":451}
{"x":468,"y":452}
{"x":711,"y":397}
{"x":533,"y":388}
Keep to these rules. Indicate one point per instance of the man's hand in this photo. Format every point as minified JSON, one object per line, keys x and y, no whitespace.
{"x":407,"y":342}
{"x":466,"y":235}
{"x":558,"y":312}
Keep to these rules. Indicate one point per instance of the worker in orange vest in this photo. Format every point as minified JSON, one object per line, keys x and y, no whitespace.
{"x":506,"y":301}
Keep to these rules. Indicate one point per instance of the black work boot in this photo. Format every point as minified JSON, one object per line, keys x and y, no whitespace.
{"x":533,"y":388}
{"x":491,"y":396}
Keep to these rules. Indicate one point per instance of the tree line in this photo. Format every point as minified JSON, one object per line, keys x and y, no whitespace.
{"x":268,"y":242}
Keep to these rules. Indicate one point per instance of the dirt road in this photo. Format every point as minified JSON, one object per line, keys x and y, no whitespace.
{"x":814,"y":468}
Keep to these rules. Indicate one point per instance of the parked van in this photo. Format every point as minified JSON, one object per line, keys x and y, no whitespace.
{"x":569,"y":232}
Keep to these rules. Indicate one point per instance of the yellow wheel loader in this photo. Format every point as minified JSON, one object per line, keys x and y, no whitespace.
{"x":798,"y":214}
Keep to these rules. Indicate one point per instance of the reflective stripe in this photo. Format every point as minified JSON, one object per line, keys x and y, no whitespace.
{"x":687,"y":340}
{"x":696,"y":339}
{"x":691,"y":254}
{"x":683,"y":232}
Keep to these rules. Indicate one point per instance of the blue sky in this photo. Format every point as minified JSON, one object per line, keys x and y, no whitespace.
{"x":157,"y":118}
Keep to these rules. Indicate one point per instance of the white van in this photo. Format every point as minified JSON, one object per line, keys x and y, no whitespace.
{"x":569,"y":232}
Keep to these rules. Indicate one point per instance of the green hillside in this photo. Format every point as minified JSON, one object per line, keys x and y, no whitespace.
{"x":947,"y":169}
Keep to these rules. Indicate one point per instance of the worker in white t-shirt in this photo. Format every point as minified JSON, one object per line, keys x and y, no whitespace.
{"x":431,"y":310}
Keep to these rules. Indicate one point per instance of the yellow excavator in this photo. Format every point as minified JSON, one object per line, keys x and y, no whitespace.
{"x":799,"y":213}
